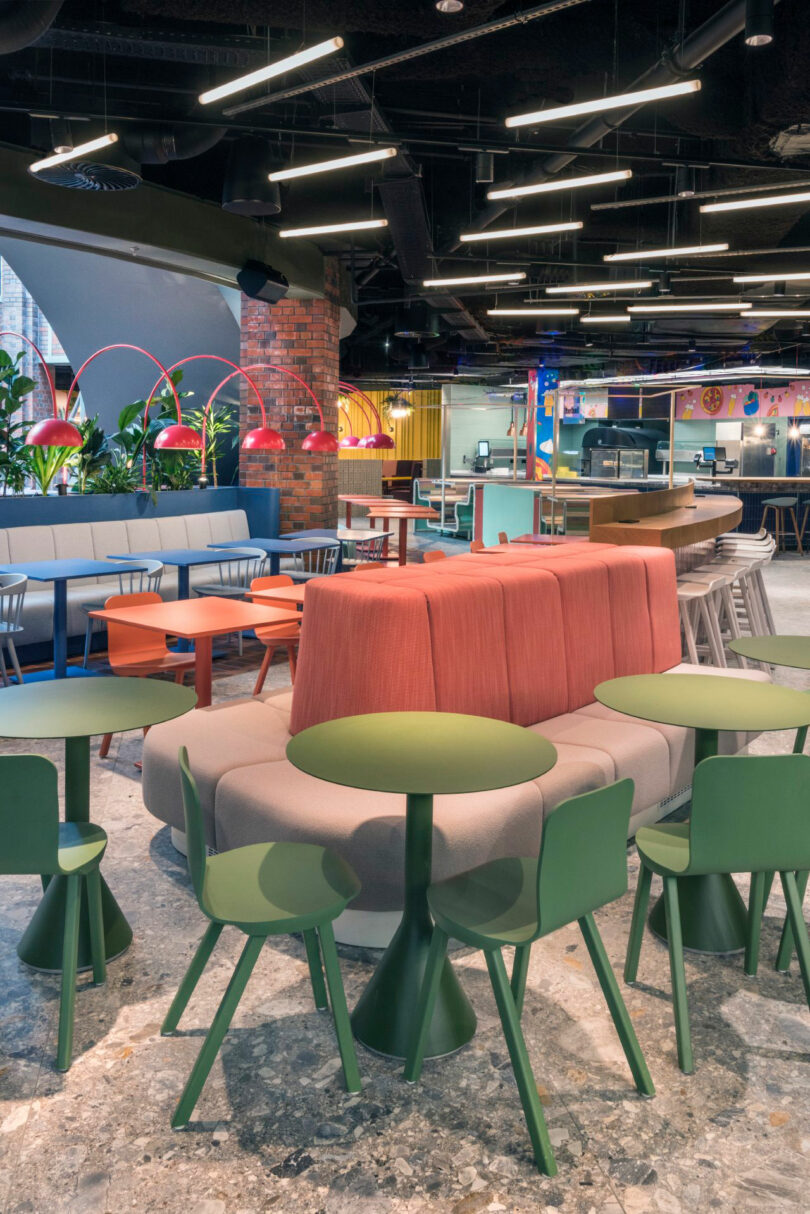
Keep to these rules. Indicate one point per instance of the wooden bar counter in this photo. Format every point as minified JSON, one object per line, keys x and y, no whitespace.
{"x":663,"y":518}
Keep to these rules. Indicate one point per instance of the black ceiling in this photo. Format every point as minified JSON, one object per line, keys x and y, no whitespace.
{"x":143,"y":62}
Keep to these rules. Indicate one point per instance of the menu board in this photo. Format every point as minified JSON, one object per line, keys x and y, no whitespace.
{"x":583,"y":404}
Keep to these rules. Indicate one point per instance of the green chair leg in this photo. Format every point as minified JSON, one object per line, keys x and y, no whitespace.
{"x":218,"y":1029}
{"x":532,"y":1109}
{"x":801,"y":738}
{"x":93,"y":880}
{"x":315,"y":969}
{"x":756,"y":909}
{"x":680,"y":1005}
{"x":192,"y":977}
{"x":520,"y":969}
{"x":796,"y":917}
{"x":70,"y":958}
{"x":616,"y":1006}
{"x":425,"y":1005}
{"x":637,"y":924}
{"x":340,"y":1012}
{"x":786,"y":943}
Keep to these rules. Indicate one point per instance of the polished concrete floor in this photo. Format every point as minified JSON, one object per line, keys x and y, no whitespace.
{"x":275,"y":1130}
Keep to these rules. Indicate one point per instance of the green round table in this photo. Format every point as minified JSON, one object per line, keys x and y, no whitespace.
{"x":418,"y":754}
{"x":778,"y":651}
{"x":713,"y":915}
{"x":77,"y":709}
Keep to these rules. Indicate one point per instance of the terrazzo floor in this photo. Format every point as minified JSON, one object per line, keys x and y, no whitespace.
{"x":276,"y":1131}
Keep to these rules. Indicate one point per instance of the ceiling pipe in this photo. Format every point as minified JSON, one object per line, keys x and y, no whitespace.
{"x":672,"y":66}
{"x":23,"y":23}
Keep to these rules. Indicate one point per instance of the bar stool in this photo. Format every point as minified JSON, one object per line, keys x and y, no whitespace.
{"x":695,"y":598}
{"x":782,"y":506}
{"x":720,"y":579}
{"x":741,"y":599}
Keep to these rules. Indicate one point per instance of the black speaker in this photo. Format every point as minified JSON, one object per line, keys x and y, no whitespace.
{"x":262,"y":282}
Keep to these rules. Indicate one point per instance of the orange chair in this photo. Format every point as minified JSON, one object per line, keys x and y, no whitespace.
{"x":477,"y":545}
{"x":503,"y":538}
{"x":136,"y":653}
{"x":435,"y":554}
{"x":275,"y":635}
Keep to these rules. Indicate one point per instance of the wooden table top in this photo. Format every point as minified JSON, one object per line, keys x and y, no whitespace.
{"x":674,"y":528}
{"x":208,"y":616}
{"x":402,"y":510}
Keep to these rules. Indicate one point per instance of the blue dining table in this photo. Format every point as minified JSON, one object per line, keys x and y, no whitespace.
{"x":60,"y":572}
{"x":281,"y":546}
{"x":184,"y":559}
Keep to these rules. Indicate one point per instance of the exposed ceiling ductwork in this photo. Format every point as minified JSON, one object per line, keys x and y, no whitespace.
{"x":23,"y":23}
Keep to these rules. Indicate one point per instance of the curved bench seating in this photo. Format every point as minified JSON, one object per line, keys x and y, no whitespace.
{"x":516,"y":635}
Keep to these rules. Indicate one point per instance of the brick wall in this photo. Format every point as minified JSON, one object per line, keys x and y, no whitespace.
{"x":302,"y":335}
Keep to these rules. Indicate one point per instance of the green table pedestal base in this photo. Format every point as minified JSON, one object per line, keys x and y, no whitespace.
{"x":41,"y":945}
{"x":713,"y":915}
{"x":385,"y":1014}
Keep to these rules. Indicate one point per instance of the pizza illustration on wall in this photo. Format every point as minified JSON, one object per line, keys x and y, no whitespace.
{"x":711,"y":398}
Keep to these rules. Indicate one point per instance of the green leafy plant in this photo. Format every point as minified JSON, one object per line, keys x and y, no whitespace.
{"x":45,"y":462}
{"x":221,"y":432}
{"x":117,"y":476}
{"x":94,"y":453}
{"x":169,"y":469}
{"x":14,"y":455}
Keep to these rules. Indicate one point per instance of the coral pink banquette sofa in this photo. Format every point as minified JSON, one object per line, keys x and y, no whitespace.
{"x":516,"y":634}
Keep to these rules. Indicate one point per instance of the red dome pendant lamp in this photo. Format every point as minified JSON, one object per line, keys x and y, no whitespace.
{"x":372,"y":442}
{"x":54,"y":431}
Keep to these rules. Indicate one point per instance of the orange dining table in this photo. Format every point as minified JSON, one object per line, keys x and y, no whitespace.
{"x":200,"y":620}
{"x":283,"y":596}
{"x":402,"y":511}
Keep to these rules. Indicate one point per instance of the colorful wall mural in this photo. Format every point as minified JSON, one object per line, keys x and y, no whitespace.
{"x":718,"y":402}
{"x":541,"y":400}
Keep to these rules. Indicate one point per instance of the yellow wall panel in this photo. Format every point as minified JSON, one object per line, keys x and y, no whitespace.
{"x":415,"y":437}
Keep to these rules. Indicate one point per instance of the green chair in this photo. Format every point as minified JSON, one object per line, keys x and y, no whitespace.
{"x":582,"y":866}
{"x":35,"y":842}
{"x":749,"y":814}
{"x":265,"y":889}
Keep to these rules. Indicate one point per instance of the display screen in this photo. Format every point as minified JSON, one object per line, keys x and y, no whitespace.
{"x":483,"y":448}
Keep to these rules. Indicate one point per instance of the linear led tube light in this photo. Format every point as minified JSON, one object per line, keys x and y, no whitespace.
{"x":577,"y":287}
{"x":270,"y":70}
{"x":771,"y":200}
{"x":682,"y":251}
{"x":620,"y":319}
{"x":617,"y":102}
{"x":797,"y":277}
{"x":699,"y":375}
{"x":540,"y":229}
{"x":692,"y":307}
{"x":533,"y":312}
{"x":327,"y":166}
{"x":803,"y":312}
{"x":358,"y":225}
{"x":471,"y":279}
{"x":81,"y":149}
{"x":567,"y":183}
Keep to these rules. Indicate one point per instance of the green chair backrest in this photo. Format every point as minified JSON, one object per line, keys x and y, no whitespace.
{"x":750,"y":813}
{"x":29,"y":815}
{"x":583,"y":855}
{"x":195,"y":831}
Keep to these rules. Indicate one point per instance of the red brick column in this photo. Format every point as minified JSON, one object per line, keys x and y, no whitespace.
{"x":302,"y":335}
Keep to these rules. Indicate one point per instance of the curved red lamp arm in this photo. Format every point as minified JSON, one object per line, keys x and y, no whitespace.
{"x":164,"y":374}
{"x":379,"y":440}
{"x":237,"y":370}
{"x":316,"y":440}
{"x":53,"y":431}
{"x":343,"y":409}
{"x":349,"y":391}
{"x":41,"y":357}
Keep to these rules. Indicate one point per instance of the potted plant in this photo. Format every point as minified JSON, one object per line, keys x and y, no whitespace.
{"x":94,"y":453}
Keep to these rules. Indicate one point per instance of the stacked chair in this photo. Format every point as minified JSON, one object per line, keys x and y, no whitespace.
{"x":726,"y":597}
